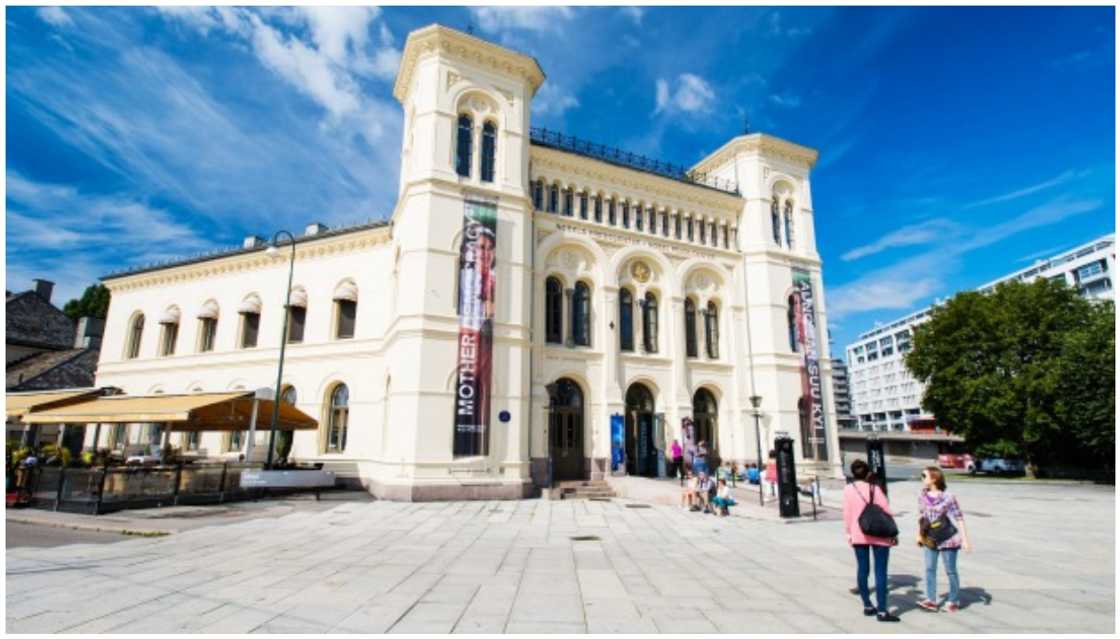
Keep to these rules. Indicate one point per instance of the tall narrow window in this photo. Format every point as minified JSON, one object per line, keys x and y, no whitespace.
{"x":702,"y":227}
{"x":599,"y":209}
{"x":583,"y":206}
{"x":690,"y":233}
{"x":651,"y":220}
{"x":690,"y":328}
{"x":711,"y":323}
{"x":170,"y":336}
{"x":538,"y":195}
{"x":581,"y":315}
{"x":337,"y":419}
{"x":791,"y":322}
{"x":649,"y":323}
{"x":775,"y":222}
{"x":553,"y":198}
{"x":463,"y":146}
{"x":626,"y":320}
{"x":726,"y":236}
{"x":489,"y":145}
{"x":250,"y":329}
{"x":789,"y":224}
{"x":553,"y":311}
{"x":712,"y":234}
{"x":665,"y":223}
{"x":207,"y":330}
{"x":347,"y":318}
{"x":611,"y":212}
{"x":677,"y":225}
{"x":625,"y":215}
{"x":638,"y":216}
{"x":568,"y":202}
{"x":136,"y":332}
{"x":297,"y":319}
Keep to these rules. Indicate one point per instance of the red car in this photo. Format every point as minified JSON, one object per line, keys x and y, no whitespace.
{"x":955,"y":460}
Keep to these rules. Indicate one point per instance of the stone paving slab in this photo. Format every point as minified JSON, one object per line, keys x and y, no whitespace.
{"x":514,"y":567}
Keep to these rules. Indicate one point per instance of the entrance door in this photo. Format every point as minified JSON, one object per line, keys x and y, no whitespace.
{"x":565,"y":426}
{"x":641,"y":454}
{"x":705,"y":414}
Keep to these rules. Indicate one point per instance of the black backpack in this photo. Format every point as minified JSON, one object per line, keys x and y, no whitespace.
{"x":875,"y":521}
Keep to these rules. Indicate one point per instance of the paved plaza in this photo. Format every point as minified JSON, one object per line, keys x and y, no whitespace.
{"x":1043,"y":562}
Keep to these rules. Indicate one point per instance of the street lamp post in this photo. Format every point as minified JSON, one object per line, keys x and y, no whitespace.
{"x":756,"y":401}
{"x":272,"y":251}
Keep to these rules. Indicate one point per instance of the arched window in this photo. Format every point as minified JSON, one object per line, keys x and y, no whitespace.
{"x":791,"y":323}
{"x":553,"y":198}
{"x":568,"y":202}
{"x":463,"y":146}
{"x":599,"y":209}
{"x":775,"y":222}
{"x":677,"y":225}
{"x":169,"y":333}
{"x":581,"y":315}
{"x":135,"y":334}
{"x":626,"y":320}
{"x":207,"y":326}
{"x":538,"y":195}
{"x":690,"y":233}
{"x":789,"y":224}
{"x":649,"y":323}
{"x":337,"y":419}
{"x":690,"y":328}
{"x":297,"y":315}
{"x":553,"y":311}
{"x":702,"y":228}
{"x":250,"y":311}
{"x":625,"y":215}
{"x":583,"y":206}
{"x":611,"y":214}
{"x":489,"y":144}
{"x":665,"y":223}
{"x":345,"y":310}
{"x":638,"y":217}
{"x":651,"y":217}
{"x":711,"y":330}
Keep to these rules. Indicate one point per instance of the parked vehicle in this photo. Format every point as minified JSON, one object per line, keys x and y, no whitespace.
{"x":955,"y":460}
{"x":1001,"y":465}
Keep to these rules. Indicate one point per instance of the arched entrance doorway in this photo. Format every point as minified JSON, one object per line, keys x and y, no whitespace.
{"x":641,"y":455}
{"x":565,"y":427}
{"x":705,"y":414}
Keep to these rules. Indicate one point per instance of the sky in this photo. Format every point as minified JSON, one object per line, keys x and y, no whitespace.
{"x":956,"y":144}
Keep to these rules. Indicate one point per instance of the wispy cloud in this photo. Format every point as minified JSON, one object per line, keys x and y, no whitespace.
{"x":777,"y":28}
{"x":1023,"y":192}
{"x":692,"y":94}
{"x":633,"y":13}
{"x":913,"y":235}
{"x":551,"y":99}
{"x":535,"y":19}
{"x":786,"y":100}
{"x":55,"y":16}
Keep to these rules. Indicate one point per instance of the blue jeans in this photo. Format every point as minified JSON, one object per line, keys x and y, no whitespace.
{"x":863,"y":568}
{"x":949,"y":558}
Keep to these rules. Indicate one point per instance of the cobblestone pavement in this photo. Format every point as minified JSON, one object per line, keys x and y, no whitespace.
{"x":1043,"y":562}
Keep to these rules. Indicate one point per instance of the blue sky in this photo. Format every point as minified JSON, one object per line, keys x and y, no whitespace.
{"x":957,"y":144}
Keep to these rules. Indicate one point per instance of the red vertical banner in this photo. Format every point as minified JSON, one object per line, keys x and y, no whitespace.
{"x":811,"y":408}
{"x":477,"y":284}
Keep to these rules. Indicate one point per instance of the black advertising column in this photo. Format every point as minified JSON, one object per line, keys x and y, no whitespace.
{"x":877,"y":461}
{"x":788,"y":505}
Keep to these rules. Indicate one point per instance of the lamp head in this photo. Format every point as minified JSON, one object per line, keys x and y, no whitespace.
{"x":756,"y":401}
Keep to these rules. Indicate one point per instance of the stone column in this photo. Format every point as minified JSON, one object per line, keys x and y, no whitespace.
{"x":570,"y":338}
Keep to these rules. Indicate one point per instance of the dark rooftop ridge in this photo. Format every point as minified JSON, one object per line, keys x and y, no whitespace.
{"x":240,"y":250}
{"x":613,"y":155}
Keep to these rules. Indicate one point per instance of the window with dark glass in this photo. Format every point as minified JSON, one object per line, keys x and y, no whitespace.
{"x":775,"y":222}
{"x":625,"y":215}
{"x":677,"y":225}
{"x":651,"y":220}
{"x":135,"y":334}
{"x":297,"y":319}
{"x":598,"y":206}
{"x":538,"y":195}
{"x":170,"y":336}
{"x":347,"y":317}
{"x":690,"y":234}
{"x":638,"y":217}
{"x":250,"y":329}
{"x":207,"y":327}
{"x":581,"y":315}
{"x":568,"y":202}
{"x":489,"y":145}
{"x":665,"y":223}
{"x":626,"y":320}
{"x":553,"y":311}
{"x":338,"y":419}
{"x":726,"y":240}
{"x":712,"y":234}
{"x":611,"y":212}
{"x":702,"y":226}
{"x":711,"y":323}
{"x":690,"y":328}
{"x":553,"y":198}
{"x":649,"y":323}
{"x":583,"y":206}
{"x":463,"y":146}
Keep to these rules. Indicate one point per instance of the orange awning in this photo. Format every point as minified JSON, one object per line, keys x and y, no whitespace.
{"x":19,"y":404}
{"x":229,"y":411}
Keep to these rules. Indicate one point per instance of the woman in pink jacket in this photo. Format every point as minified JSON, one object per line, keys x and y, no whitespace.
{"x":857,"y":495}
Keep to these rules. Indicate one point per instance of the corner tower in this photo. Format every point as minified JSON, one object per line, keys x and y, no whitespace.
{"x":460,"y":340}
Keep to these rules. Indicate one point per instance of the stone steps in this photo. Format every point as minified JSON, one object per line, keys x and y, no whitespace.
{"x":582,"y":490}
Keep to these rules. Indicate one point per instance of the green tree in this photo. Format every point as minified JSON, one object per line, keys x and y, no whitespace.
{"x":994,"y":373}
{"x":93,"y":303}
{"x":1086,"y":386}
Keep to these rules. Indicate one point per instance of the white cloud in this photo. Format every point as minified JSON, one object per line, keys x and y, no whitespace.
{"x":55,"y":16}
{"x":536,"y":19}
{"x":913,"y":235}
{"x":634,"y":13}
{"x":693,"y":94}
{"x":551,"y":99}
{"x":1034,"y":188}
{"x":787,"y":100}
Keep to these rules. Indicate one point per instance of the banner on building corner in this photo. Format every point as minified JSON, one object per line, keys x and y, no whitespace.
{"x":477,"y":284}
{"x":813,"y":442}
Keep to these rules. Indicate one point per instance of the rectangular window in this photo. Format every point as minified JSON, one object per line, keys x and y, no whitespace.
{"x":208,"y":326}
{"x":651,"y":217}
{"x":553,"y":198}
{"x":297,"y":317}
{"x":347,"y":314}
{"x":677,"y":225}
{"x":702,"y":228}
{"x":726,"y":239}
{"x":170,"y":334}
{"x":665,"y":223}
{"x":568,"y":202}
{"x":599,"y":209}
{"x":625,"y":215}
{"x":250,"y":328}
{"x":712,"y":234}
{"x":638,"y":217}
{"x":538,"y":195}
{"x":611,"y":212}
{"x":583,"y":206}
{"x":690,"y":230}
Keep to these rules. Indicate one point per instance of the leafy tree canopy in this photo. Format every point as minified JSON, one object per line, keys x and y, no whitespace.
{"x":1027,"y":370}
{"x":93,"y":303}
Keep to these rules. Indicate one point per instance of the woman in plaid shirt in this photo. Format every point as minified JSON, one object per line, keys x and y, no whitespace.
{"x":933,"y":502}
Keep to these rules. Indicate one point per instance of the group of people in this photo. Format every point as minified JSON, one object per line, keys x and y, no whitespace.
{"x":941,"y":533}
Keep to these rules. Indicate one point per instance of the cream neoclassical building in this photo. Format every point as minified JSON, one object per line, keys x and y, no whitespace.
{"x":528,"y":290}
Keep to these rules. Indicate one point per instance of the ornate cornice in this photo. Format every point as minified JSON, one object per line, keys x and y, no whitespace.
{"x":552,"y":160}
{"x":437,"y":38}
{"x":758,"y":143}
{"x":255,"y":260}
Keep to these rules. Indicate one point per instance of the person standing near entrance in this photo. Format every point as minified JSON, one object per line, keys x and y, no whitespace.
{"x":942,"y":533}
{"x":676,"y":461}
{"x":700,"y":460}
{"x":858,"y":495}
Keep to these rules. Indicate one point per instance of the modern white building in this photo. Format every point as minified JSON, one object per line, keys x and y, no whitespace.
{"x":886,"y":397}
{"x":530,"y":293}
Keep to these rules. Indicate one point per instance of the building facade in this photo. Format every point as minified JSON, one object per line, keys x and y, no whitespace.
{"x":887,"y":397}
{"x":842,"y":391}
{"x":530,"y":294}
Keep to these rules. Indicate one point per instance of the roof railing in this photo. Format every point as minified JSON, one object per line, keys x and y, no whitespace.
{"x":615,"y":155}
